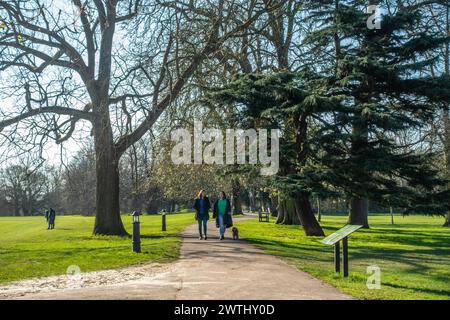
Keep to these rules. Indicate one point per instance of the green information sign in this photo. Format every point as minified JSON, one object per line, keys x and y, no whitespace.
{"x":341,"y":234}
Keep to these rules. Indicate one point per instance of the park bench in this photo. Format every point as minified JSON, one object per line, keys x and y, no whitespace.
{"x":263,"y":216}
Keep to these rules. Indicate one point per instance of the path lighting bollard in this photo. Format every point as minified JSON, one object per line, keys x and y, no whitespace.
{"x":136,"y":232}
{"x":163,"y":220}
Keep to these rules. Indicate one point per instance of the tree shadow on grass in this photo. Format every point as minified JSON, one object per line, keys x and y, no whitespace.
{"x":416,"y":263}
{"x":424,"y":290}
{"x":129,"y":236}
{"x":392,"y":232}
{"x":153,"y":236}
{"x":233,"y":258}
{"x":52,"y":252}
{"x":418,"y":259}
{"x":282,"y":249}
{"x":424,"y":256}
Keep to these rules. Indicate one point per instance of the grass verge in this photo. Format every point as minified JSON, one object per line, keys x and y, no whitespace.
{"x":28,"y":249}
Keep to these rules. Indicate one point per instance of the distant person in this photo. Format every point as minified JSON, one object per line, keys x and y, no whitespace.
{"x":221,"y":212}
{"x":51,"y":219}
{"x":202,"y":206}
{"x":46,"y":214}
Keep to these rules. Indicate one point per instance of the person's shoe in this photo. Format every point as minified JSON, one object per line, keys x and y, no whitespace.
{"x":200,"y":238}
{"x":222,"y":237}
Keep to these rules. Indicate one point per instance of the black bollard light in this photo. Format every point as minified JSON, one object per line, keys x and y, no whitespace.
{"x":136,"y":232}
{"x":163,"y":220}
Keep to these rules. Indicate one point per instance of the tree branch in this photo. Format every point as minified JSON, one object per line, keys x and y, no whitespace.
{"x":54,"y":109}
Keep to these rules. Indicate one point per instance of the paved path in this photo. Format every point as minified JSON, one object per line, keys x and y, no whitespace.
{"x":211,"y":269}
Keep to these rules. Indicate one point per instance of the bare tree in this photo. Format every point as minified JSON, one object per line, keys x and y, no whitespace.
{"x":79,"y":183}
{"x":64,"y":69}
{"x":24,"y":188}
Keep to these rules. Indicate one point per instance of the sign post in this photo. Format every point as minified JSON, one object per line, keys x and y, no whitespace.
{"x":334,"y":239}
{"x":337,"y":258}
{"x":345,"y":255}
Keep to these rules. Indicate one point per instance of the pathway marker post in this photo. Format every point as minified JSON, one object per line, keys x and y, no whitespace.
{"x":136,"y":237}
{"x":345,"y":255}
{"x":163,"y":221}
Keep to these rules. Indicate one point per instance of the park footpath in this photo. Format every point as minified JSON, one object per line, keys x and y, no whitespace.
{"x":211,"y":269}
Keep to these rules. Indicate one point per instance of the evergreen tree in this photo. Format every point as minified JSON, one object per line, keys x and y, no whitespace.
{"x":378,"y":74}
{"x":288,"y":102}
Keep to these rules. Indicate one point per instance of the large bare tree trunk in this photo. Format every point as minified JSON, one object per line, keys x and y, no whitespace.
{"x":358,"y":212}
{"x":306,"y":216}
{"x":107,"y":221}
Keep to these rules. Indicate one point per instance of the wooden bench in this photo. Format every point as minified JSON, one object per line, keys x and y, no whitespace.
{"x":263,"y":216}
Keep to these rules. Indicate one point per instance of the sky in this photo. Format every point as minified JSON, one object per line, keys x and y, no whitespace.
{"x":52,"y":152}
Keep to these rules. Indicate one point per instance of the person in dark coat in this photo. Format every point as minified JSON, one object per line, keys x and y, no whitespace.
{"x":51,"y":219}
{"x":221,"y":212}
{"x":202,"y":207}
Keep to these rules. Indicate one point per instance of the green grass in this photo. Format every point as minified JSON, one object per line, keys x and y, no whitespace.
{"x":413,"y":255}
{"x":28,"y":249}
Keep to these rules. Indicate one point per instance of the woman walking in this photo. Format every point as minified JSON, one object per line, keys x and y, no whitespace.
{"x":202,"y":206}
{"x":221,"y":212}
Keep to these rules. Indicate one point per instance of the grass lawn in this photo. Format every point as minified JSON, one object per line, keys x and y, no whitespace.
{"x":28,"y":249}
{"x":413,"y":255}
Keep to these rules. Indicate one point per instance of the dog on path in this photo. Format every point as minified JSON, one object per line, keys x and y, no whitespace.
{"x":235,"y":233}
